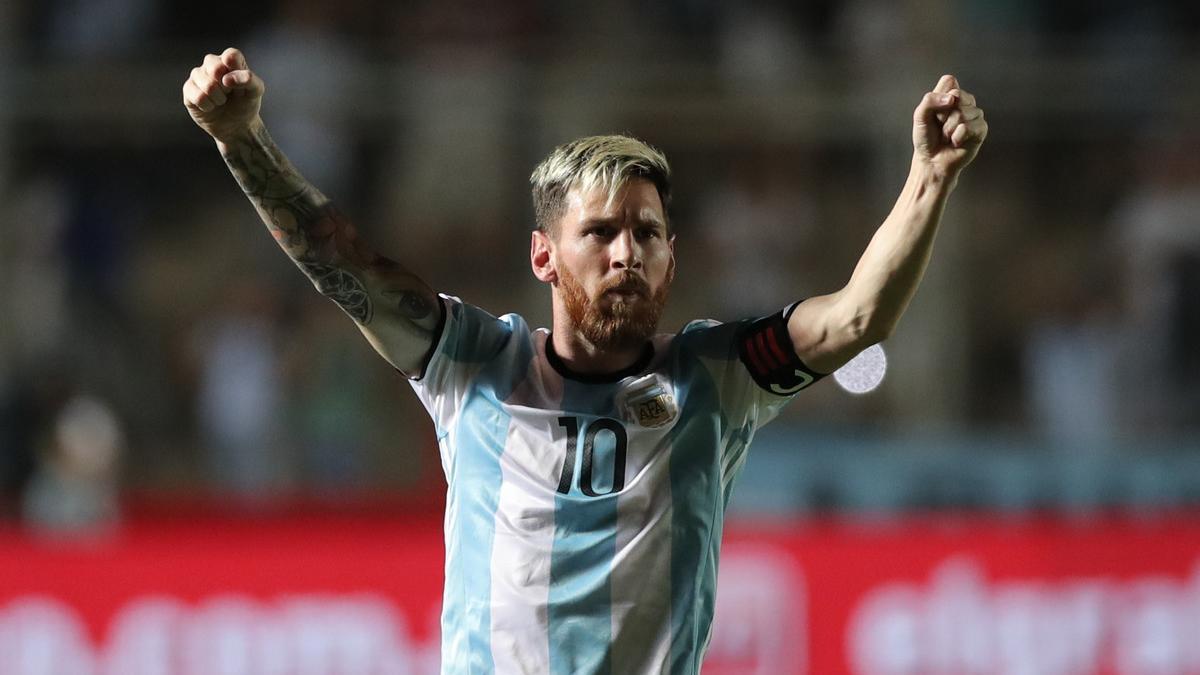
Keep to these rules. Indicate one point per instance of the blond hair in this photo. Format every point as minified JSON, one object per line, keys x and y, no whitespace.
{"x":592,"y":162}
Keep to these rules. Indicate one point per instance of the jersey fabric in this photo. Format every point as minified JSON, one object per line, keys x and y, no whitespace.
{"x":584,"y":514}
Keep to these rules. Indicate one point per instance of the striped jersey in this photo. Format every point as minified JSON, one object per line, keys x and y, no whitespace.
{"x":584,"y":514}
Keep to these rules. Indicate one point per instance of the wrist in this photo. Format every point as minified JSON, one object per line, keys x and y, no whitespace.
{"x":932,"y":176}
{"x":241,"y":134}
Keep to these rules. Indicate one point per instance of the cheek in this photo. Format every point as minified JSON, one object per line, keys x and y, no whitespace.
{"x":588,"y":262}
{"x":578,"y":269}
{"x":661,"y":263}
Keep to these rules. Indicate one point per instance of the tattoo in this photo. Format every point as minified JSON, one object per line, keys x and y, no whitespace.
{"x":343,"y":288}
{"x":320,"y":240}
{"x":411,"y":304}
{"x":414,"y":306}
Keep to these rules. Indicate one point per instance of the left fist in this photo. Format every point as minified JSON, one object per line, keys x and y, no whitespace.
{"x":948,"y":127}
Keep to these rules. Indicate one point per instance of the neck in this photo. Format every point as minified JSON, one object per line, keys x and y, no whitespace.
{"x":581,"y":355}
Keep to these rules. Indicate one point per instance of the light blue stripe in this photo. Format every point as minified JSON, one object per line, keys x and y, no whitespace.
{"x":697,"y":503}
{"x":585,"y":544}
{"x":482,"y":432}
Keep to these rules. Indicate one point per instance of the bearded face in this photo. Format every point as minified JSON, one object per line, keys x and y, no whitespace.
{"x":622,"y":314}
{"x":611,"y":260}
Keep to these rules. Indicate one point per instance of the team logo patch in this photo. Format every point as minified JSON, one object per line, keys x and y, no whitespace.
{"x":648,"y":402}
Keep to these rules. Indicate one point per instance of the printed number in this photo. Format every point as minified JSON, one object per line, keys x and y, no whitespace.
{"x":571,"y":424}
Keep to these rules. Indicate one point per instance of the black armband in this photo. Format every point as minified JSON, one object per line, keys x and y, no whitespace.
{"x":765,"y":347}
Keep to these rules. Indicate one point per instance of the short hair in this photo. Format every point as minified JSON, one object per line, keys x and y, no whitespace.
{"x":595,"y":161}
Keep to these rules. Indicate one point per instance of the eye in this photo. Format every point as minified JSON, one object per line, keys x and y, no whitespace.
{"x":601,"y":231}
{"x":648,"y":233}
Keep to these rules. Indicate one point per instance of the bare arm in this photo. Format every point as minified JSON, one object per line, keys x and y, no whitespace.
{"x":829,"y":330}
{"x":396,"y":311}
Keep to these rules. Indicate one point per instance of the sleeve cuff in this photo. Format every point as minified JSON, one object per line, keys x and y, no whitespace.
{"x":436,"y":343}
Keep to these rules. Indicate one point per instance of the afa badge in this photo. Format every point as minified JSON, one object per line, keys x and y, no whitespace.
{"x":648,"y":402}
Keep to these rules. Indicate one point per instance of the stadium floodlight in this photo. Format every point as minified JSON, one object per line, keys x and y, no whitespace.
{"x":863,"y":373}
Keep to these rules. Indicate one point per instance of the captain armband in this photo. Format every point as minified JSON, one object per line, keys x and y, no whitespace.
{"x":765,"y":347}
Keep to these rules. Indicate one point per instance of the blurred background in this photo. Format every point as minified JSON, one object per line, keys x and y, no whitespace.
{"x":159,"y":357}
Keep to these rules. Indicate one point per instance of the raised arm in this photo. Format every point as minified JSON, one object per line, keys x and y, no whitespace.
{"x":395,"y":310}
{"x":829,"y":330}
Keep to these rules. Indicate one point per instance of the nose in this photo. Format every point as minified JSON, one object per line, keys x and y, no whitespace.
{"x":626,"y":253}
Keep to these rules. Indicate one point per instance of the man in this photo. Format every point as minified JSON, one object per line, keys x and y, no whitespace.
{"x":588,"y":466}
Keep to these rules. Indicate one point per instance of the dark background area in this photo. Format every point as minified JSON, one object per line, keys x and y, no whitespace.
{"x":155,"y":347}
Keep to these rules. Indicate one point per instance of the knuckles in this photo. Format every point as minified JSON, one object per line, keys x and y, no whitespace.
{"x":202,"y":89}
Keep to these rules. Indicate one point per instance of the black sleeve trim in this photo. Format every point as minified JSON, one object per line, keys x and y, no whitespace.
{"x":765,"y":348}
{"x":437,"y":339}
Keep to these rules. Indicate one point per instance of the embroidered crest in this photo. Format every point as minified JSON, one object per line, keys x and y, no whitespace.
{"x":648,"y":402}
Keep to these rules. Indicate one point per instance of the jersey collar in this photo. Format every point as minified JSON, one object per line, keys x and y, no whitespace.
{"x":597,"y":378}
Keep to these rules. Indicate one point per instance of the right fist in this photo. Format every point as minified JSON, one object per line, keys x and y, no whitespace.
{"x":223,"y":96}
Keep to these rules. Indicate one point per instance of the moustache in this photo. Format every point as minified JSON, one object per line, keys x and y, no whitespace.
{"x":628,"y":283}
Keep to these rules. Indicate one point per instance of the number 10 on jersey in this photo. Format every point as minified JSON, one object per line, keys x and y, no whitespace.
{"x":590,"y":431}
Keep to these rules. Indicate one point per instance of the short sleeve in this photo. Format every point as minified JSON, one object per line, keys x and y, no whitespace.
{"x":469,"y":339}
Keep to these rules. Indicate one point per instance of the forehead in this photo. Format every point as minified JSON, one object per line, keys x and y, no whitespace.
{"x":636,"y":200}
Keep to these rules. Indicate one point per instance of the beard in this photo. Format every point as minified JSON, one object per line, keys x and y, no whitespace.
{"x":618,"y":321}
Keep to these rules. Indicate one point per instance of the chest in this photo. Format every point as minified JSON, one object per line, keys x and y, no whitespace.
{"x":596,"y":441}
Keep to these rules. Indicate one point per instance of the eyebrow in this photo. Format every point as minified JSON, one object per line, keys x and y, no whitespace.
{"x":640,"y":221}
{"x":648,"y":219}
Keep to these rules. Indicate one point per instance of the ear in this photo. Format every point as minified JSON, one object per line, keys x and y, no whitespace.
{"x":541,"y":258}
{"x":671,"y":268}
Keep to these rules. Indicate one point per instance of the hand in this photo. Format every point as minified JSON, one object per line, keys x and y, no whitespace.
{"x":223,"y":95}
{"x":948,"y":128}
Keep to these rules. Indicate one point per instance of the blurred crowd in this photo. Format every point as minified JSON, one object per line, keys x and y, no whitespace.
{"x":153,"y":341}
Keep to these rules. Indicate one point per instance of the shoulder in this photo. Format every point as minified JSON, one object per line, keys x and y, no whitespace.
{"x":474,"y":334}
{"x":708,"y":337}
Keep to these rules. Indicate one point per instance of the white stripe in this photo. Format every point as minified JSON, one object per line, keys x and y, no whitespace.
{"x":732,"y":462}
{"x":524,"y":540}
{"x":445,"y":381}
{"x":641,"y":570}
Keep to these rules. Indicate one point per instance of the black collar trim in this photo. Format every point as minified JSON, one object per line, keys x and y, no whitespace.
{"x":597,"y":378}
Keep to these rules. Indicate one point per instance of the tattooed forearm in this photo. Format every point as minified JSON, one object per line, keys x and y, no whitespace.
{"x":262,"y":170}
{"x":302,"y":220}
{"x":320,"y":240}
{"x":298,"y":215}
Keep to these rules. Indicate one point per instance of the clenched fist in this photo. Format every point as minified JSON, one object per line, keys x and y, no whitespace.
{"x":948,"y":128}
{"x":223,"y":95}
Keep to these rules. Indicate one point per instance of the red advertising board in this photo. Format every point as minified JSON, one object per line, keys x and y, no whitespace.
{"x":317,"y":595}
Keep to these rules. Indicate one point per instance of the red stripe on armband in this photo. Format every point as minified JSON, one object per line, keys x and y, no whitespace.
{"x":766,"y":350}
{"x":755,"y":361}
{"x":761,"y":343}
{"x":775,"y":345}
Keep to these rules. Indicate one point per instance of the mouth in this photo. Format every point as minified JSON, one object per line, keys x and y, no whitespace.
{"x":627,"y":292}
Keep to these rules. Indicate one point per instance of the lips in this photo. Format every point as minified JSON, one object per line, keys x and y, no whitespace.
{"x":628,"y":285}
{"x":628,"y":290}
